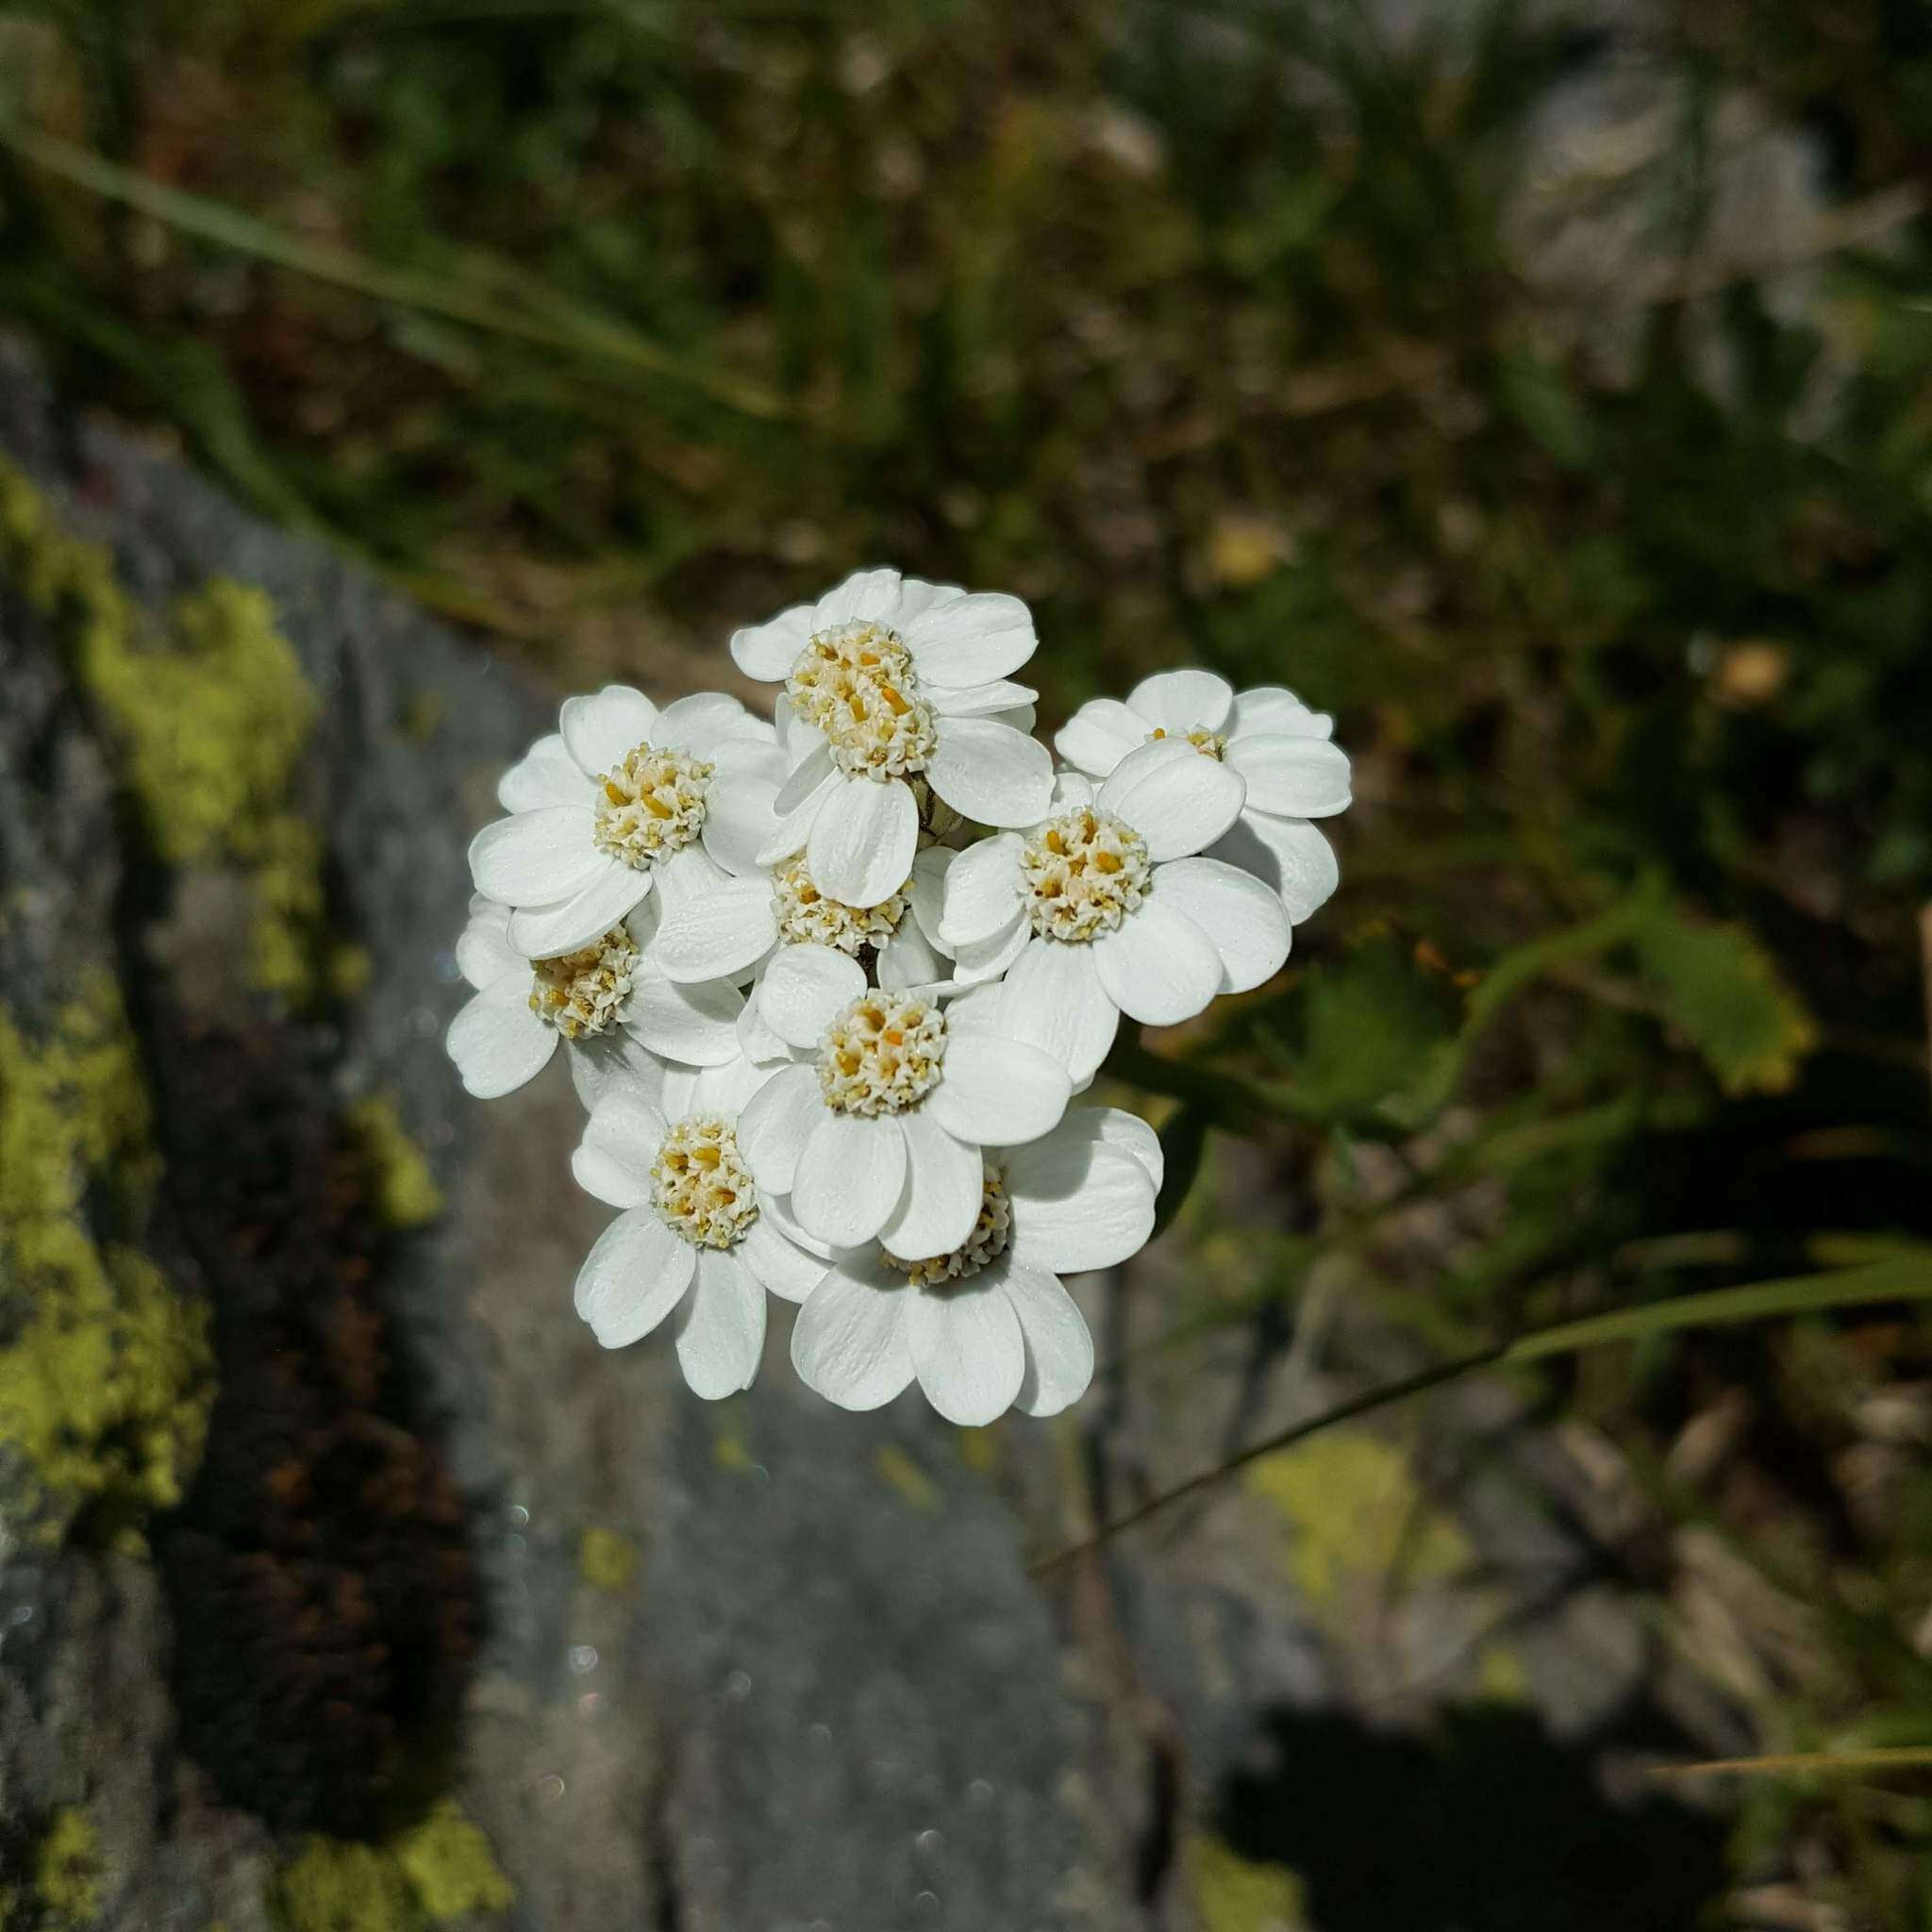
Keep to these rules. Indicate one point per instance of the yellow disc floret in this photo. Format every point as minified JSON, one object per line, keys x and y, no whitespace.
{"x":882,"y":1054}
{"x":856,"y":682}
{"x":650,"y":804}
{"x":582,"y":992}
{"x":700,"y":1184}
{"x":986,"y":1241}
{"x":807,"y":916}
{"x":1210,"y":745}
{"x":1084,"y":871}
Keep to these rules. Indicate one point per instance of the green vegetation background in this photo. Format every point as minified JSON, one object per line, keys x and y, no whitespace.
{"x":1214,"y":332}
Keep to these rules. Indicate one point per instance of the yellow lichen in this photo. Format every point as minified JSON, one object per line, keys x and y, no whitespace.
{"x":449,"y":1866}
{"x":67,"y":1870}
{"x":406,"y":1191}
{"x":1357,"y":1517}
{"x":1237,"y":1895}
{"x":607,"y":1560}
{"x":105,"y":1376}
{"x":210,"y":716}
{"x":434,"y":1872}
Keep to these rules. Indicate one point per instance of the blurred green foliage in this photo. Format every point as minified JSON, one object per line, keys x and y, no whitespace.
{"x":1218,"y":333}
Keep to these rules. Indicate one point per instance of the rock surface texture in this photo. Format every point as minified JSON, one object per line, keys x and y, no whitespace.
{"x":347,"y":1584}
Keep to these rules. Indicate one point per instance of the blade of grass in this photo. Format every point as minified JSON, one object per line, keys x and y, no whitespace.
{"x":1808,"y":1763}
{"x":583,"y":334}
{"x":1904,"y":1278}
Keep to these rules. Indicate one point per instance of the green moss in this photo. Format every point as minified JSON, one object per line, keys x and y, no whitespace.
{"x":67,"y":1870}
{"x":405,"y":1192}
{"x":449,"y":1866}
{"x":105,"y":1382}
{"x":607,"y":1560}
{"x":439,"y":1870}
{"x":211,"y":716}
{"x":1235,"y":1894}
{"x":1356,"y":1513}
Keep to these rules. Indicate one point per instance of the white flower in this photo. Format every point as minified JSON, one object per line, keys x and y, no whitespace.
{"x":1105,"y":907}
{"x":892,"y":680}
{"x":874,"y":1130}
{"x":696,"y":1235}
{"x":989,"y":1325}
{"x":737,"y":923}
{"x":607,"y":1004}
{"x":1278,"y":745}
{"x":622,"y":793}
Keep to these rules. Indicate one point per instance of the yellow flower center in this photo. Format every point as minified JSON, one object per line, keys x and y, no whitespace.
{"x":882,"y":1054}
{"x":806,"y":915}
{"x":986,"y":1241}
{"x":1084,"y":871}
{"x":582,"y":992}
{"x":1210,"y":745}
{"x":651,"y":803}
{"x":700,"y":1184}
{"x":856,"y":682}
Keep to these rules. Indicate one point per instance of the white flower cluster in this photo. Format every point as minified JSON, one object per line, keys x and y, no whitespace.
{"x":827,"y":984}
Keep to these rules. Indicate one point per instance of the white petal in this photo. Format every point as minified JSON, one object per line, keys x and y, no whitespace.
{"x":971,"y":639}
{"x":980,"y":700}
{"x":805,"y":794}
{"x":1178,"y":799}
{"x":1245,"y":922}
{"x":945,"y":1185}
{"x":1052,"y":998}
{"x":741,"y":808}
{"x":1060,"y":1350}
{"x":916,"y":595}
{"x":776,"y":1123}
{"x":483,"y":952}
{"x":1159,"y":967}
{"x":542,"y":932}
{"x":546,"y":774}
{"x":926,"y":889}
{"x":997,"y":1092}
{"x":804,"y":988}
{"x":497,"y":1042}
{"x":1072,"y":791}
{"x":850,"y":1177}
{"x":536,"y":856}
{"x":789,"y":1271}
{"x":861,"y":843}
{"x":612,"y":1059}
{"x":981,"y":893}
{"x":967,"y":1350}
{"x":725,"y":1090}
{"x":1079,"y":1201}
{"x":621,"y":1140}
{"x":1099,"y":735}
{"x":1120,"y":1128}
{"x":633,"y":1277}
{"x":720,"y":1326}
{"x":849,"y":1342}
{"x":908,"y":958}
{"x":866,"y":595}
{"x":1290,"y":856}
{"x":756,"y":1040}
{"x":1293,"y":778}
{"x":1270,"y":707}
{"x":705,"y":720}
{"x":768,"y":651}
{"x":697,"y":1025}
{"x":601,"y":730}
{"x":978,"y":960}
{"x":991,"y":773}
{"x":1179,"y":702}
{"x":717,"y":934}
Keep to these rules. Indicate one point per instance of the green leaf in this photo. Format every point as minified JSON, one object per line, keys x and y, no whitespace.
{"x":1725,"y":993}
{"x":1534,"y":392}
